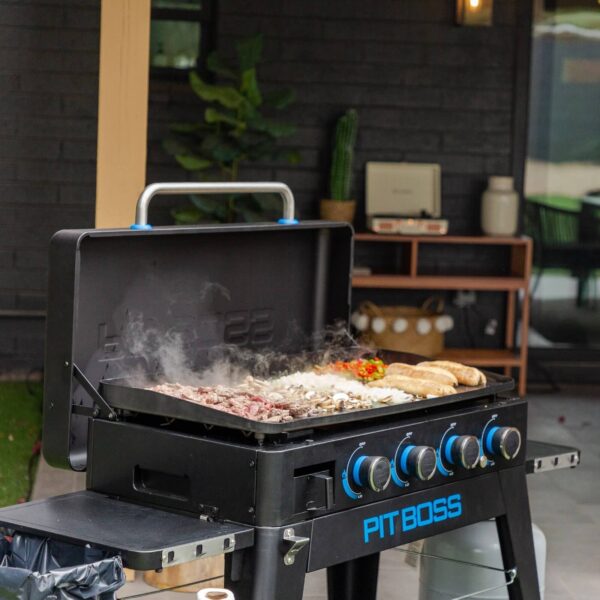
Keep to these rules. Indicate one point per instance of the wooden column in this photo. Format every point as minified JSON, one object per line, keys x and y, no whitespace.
{"x":122,"y":110}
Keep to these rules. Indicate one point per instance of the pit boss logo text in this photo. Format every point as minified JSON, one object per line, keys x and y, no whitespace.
{"x":411,"y":517}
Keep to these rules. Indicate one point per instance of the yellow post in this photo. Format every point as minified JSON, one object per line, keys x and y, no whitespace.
{"x":122,"y":110}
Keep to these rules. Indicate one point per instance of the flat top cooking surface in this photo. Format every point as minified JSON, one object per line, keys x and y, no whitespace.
{"x":121,"y":395}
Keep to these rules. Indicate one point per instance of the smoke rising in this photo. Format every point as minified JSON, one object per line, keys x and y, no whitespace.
{"x":169,"y":357}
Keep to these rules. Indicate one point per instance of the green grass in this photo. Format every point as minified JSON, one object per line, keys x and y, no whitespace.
{"x":20,"y":424}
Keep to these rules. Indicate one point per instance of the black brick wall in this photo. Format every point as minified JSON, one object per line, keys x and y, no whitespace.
{"x":425,"y":89}
{"x":48,"y":105}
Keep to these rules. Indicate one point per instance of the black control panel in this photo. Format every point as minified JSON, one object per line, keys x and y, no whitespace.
{"x":379,"y":463}
{"x":310,"y":475}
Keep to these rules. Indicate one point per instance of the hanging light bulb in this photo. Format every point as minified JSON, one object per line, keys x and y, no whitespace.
{"x":474,"y":12}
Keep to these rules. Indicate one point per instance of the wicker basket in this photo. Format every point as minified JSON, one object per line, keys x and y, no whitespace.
{"x":419,"y":330}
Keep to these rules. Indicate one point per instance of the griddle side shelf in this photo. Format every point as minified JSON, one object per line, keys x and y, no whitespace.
{"x":145,"y":537}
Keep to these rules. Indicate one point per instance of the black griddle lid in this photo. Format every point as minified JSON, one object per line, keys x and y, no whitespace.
{"x":117,"y":297}
{"x":147,"y":538}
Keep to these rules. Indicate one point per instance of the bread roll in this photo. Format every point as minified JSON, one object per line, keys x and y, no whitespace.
{"x":417,"y":387}
{"x":465,"y":375}
{"x":428,"y":373}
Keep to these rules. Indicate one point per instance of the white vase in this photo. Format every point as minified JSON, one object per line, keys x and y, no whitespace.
{"x":500,"y":207}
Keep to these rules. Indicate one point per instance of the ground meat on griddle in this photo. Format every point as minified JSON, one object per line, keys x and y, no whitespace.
{"x":298,"y":396}
{"x":231,"y":400}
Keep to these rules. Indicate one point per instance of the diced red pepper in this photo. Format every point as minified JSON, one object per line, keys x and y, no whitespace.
{"x":365,"y":369}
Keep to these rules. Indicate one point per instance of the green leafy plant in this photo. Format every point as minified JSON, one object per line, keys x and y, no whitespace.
{"x":340,"y":180}
{"x":234,"y":131}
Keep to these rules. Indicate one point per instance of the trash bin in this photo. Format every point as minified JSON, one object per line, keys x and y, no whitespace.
{"x":34,"y":568}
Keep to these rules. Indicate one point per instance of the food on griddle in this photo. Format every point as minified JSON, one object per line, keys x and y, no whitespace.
{"x":364,"y":369}
{"x":281,"y":400}
{"x":231,"y":400}
{"x":417,"y":387}
{"x":340,"y":386}
{"x":428,"y":373}
{"x":465,"y":375}
{"x":328,"y":382}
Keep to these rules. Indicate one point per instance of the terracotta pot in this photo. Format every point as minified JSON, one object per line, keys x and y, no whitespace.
{"x":338,"y":210}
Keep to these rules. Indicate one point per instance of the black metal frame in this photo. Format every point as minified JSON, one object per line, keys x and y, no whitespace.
{"x":259,"y":573}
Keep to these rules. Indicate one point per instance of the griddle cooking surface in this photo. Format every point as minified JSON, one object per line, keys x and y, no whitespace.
{"x":121,"y":394}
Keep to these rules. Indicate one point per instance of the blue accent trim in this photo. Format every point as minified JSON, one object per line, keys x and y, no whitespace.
{"x":399,"y":482}
{"x":488,"y":440}
{"x":288,"y":221}
{"x":404,"y":458}
{"x":137,"y":227}
{"x":440,"y":466}
{"x":355,"y":470}
{"x":448,"y":448}
{"x":346,"y":485}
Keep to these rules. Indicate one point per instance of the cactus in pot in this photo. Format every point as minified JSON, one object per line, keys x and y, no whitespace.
{"x":340,"y":206}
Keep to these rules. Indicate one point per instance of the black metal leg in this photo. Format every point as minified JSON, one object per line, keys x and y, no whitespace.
{"x":516,"y":537}
{"x":259,"y":573}
{"x":354,"y":580}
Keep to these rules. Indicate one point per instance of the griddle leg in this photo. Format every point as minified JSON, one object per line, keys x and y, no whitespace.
{"x":516,"y":537}
{"x":259,"y":573}
{"x":354,"y":580}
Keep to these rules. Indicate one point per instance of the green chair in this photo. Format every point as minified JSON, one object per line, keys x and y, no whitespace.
{"x":555,"y":228}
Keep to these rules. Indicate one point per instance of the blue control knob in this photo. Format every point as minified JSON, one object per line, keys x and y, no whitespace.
{"x":418,"y":461}
{"x":462,"y":450}
{"x":502,"y":441}
{"x":372,"y":472}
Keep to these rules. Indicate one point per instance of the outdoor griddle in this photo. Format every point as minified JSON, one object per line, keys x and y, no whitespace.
{"x":169,"y":481}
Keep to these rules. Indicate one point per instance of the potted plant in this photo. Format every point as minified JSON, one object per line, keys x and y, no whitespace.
{"x":233,"y":131}
{"x":340,"y":206}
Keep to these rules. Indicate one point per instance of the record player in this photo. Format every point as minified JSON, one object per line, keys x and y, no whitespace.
{"x":404,"y":198}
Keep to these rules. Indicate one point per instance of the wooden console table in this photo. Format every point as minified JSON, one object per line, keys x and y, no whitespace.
{"x":410,"y":277}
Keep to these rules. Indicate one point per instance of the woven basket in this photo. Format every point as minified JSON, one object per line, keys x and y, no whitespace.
{"x":404,"y":328}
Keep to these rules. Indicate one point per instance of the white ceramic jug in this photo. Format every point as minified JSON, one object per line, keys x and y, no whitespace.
{"x":500,"y":207}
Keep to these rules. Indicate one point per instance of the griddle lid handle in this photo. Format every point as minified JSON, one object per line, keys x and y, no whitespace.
{"x":141,"y":210}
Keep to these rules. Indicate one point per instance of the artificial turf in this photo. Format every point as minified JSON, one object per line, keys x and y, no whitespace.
{"x":20,"y":425}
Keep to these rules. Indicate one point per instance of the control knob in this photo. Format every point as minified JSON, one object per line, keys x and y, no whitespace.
{"x":503,"y":441}
{"x":463,"y":450}
{"x":373,"y":472}
{"x":418,"y":461}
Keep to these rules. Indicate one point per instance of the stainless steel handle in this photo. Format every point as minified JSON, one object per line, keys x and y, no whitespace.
{"x":141,"y":210}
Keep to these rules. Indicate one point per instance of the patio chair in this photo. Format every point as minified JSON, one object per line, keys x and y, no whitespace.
{"x":559,"y":245}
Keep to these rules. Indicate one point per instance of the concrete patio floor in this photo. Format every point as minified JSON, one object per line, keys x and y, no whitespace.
{"x":565,"y":505}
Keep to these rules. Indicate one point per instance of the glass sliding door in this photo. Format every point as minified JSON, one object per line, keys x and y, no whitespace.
{"x":562,"y":185}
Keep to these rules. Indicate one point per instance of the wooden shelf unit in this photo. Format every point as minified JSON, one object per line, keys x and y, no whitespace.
{"x":521,"y":251}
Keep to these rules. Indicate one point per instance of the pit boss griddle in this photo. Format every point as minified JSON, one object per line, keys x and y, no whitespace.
{"x":169,"y":481}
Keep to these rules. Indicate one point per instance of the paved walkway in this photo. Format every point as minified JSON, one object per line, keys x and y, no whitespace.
{"x":54,"y":482}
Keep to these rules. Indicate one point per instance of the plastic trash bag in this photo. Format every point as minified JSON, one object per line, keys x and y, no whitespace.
{"x":33,"y":568}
